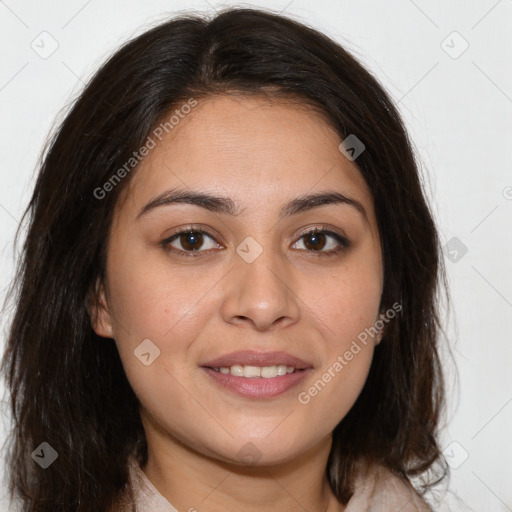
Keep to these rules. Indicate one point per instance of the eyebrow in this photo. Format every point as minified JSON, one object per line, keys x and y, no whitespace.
{"x":222,"y":204}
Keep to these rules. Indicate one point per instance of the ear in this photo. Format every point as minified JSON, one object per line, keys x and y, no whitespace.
{"x":379,"y":337}
{"x":99,"y":311}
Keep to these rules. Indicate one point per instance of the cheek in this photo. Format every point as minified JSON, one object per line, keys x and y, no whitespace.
{"x":149,"y":304}
{"x":346,"y":313}
{"x":347,"y":302}
{"x":335,"y":390}
{"x":171,"y":314}
{"x":150,"y":301}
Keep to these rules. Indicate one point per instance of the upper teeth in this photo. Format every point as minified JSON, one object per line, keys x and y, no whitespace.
{"x":266,"y":372}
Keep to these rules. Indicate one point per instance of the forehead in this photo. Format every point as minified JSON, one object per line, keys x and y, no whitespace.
{"x":251,"y":147}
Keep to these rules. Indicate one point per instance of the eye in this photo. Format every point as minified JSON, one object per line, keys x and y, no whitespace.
{"x":316,"y":240}
{"x":189,"y":241}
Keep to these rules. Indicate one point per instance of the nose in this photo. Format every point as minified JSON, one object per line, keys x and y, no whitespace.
{"x":261,"y":293}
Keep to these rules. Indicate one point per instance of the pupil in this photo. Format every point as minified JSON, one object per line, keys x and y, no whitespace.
{"x":316,"y":241}
{"x":192,"y":241}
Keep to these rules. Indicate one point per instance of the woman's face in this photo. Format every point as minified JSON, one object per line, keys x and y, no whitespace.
{"x":257,"y":282}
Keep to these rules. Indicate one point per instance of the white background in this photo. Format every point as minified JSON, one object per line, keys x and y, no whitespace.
{"x":457,"y":110}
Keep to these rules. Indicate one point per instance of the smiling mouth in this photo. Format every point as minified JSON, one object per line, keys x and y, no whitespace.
{"x":256,"y":372}
{"x":257,"y":382}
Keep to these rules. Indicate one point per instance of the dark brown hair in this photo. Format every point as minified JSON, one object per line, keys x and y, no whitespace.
{"x":68,"y":386}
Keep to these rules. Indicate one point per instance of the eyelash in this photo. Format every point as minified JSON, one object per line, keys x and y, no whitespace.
{"x":343,"y":241}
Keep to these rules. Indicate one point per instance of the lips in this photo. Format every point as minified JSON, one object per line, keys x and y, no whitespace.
{"x":254,"y":358}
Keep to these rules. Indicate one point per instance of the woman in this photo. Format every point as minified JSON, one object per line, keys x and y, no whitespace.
{"x":227,"y":296}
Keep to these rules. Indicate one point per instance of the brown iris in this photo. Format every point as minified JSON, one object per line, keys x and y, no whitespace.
{"x":192,"y":240}
{"x":317,"y":241}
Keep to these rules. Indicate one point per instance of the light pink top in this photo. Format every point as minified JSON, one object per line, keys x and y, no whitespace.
{"x":382,"y":491}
